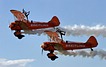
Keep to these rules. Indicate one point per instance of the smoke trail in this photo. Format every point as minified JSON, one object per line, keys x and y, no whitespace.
{"x":83,"y":53}
{"x":75,"y":30}
{"x":79,"y":30}
{"x":38,"y":31}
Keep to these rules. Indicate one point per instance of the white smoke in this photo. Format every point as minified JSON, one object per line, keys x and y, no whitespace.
{"x":100,"y":53}
{"x":75,"y":30}
{"x":38,"y":31}
{"x":80,"y":30}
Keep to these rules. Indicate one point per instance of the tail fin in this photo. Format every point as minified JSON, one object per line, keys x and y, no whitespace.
{"x":55,"y":21}
{"x":92,"y":40}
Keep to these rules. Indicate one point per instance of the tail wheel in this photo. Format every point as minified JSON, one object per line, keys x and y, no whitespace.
{"x":91,"y":49}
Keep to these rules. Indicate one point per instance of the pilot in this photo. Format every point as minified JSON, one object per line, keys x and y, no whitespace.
{"x":60,"y":31}
{"x":31,"y":21}
{"x":26,"y":13}
{"x":66,"y":41}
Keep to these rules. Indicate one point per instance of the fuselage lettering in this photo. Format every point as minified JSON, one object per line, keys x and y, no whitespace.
{"x":39,"y":24}
{"x":75,"y":45}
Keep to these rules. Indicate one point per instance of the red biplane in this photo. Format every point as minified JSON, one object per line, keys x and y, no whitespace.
{"x":22,"y":23}
{"x":60,"y":44}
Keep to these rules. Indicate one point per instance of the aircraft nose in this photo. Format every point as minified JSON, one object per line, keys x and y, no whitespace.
{"x":11,"y":25}
{"x":43,"y":46}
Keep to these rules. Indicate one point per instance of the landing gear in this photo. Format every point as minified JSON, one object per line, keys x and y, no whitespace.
{"x":52,"y":56}
{"x":18,"y":34}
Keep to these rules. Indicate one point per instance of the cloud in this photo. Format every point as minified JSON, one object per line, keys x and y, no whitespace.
{"x":15,"y":63}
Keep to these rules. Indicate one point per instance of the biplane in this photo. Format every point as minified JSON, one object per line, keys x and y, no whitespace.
{"x":22,"y":23}
{"x":59,"y":44}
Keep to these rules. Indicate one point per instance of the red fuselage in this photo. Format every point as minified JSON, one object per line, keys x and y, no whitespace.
{"x":27,"y":25}
{"x":48,"y":46}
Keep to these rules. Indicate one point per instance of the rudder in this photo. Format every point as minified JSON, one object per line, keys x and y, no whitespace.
{"x":55,"y":21}
{"x":93,"y":41}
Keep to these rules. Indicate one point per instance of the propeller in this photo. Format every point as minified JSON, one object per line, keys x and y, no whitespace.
{"x":42,"y":51}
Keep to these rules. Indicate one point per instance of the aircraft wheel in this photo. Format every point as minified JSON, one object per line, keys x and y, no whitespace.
{"x":53,"y":58}
{"x":20,"y":36}
{"x":17,"y":33}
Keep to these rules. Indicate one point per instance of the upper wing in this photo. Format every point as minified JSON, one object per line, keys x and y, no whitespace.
{"x":53,"y":36}
{"x":19,"y":15}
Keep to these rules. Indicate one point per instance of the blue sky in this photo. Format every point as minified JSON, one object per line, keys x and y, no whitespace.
{"x":70,"y":12}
